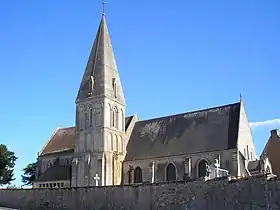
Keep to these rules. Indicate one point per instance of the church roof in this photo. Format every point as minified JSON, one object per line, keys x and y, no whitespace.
{"x":206,"y":130}
{"x":254,"y":165}
{"x":56,"y":173}
{"x":271,"y":150}
{"x":64,"y":139}
{"x":101,"y":64}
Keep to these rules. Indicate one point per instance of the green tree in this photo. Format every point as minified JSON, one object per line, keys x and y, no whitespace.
{"x":7,"y":164}
{"x":29,"y":173}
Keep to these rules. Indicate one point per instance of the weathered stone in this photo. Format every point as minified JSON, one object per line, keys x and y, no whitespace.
{"x":257,"y":193}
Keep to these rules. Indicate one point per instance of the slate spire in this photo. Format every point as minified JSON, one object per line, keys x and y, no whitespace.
{"x":101,"y":75}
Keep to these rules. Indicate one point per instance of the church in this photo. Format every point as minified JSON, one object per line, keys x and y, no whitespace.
{"x":105,"y":147}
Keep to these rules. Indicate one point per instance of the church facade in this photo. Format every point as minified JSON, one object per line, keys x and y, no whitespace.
{"x":106,"y":147}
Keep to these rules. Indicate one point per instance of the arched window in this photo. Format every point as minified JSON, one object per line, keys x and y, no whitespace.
{"x":202,"y":168}
{"x":137,"y":175}
{"x":170,"y":172}
{"x":115,"y":117}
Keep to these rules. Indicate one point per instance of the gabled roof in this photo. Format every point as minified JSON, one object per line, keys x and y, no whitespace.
{"x":199,"y":131}
{"x":272,"y":149}
{"x":128,"y":121}
{"x":64,"y":139}
{"x":254,"y":166}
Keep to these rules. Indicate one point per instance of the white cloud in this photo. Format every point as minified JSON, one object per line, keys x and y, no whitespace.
{"x":266,"y":123}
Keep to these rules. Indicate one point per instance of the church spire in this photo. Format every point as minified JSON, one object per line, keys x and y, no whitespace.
{"x":101,"y":70}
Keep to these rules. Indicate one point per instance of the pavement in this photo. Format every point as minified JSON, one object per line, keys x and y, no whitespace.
{"x":3,"y":208}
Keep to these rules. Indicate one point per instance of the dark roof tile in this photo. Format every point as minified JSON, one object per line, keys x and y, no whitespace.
{"x":56,"y":173}
{"x":200,"y":131}
{"x":254,"y":165}
{"x":63,"y":139}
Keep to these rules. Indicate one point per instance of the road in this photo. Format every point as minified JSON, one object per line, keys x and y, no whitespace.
{"x":2,"y":208}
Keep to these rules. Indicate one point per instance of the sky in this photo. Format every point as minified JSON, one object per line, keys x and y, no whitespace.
{"x":173,"y":57}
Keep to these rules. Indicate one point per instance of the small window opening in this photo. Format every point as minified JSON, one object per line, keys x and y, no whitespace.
{"x":91,"y":85}
{"x":114,"y":86}
{"x":248,"y":156}
{"x":115,"y":118}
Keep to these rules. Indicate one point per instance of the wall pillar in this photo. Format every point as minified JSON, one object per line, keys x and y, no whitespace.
{"x":152,"y":171}
{"x":131,"y":169}
{"x":74,"y":172}
{"x":188,"y":167}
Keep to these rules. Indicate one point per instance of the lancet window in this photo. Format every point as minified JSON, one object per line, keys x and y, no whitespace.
{"x":137,"y":175}
{"x":170,"y":172}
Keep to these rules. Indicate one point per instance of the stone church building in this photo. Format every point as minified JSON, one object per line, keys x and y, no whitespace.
{"x":106,"y":147}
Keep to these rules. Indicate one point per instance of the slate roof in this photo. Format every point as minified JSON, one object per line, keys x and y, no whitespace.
{"x":128,"y":121}
{"x":64,"y":139}
{"x":56,"y":173}
{"x":254,"y":166}
{"x":199,"y":131}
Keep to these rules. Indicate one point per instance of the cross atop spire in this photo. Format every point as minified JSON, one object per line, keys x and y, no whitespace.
{"x":103,"y":7}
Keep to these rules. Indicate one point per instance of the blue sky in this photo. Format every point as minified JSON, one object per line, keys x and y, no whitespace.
{"x":172,"y":58}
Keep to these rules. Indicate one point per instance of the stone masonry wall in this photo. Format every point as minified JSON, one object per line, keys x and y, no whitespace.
{"x":162,"y":162}
{"x":196,"y":195}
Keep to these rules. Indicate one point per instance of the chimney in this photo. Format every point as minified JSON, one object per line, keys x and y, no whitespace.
{"x":275,"y":133}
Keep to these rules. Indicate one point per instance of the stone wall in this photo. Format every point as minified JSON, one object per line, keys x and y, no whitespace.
{"x":161,"y":163}
{"x":196,"y":195}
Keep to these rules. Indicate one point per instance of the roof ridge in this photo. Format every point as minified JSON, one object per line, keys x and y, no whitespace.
{"x":48,"y":141}
{"x":190,"y":112}
{"x":67,"y":127}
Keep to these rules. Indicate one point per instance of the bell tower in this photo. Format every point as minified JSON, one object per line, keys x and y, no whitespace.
{"x":100,"y":118}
